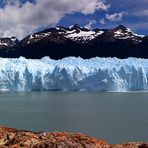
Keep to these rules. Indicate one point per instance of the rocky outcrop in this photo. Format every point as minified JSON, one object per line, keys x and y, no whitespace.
{"x":131,"y":145}
{"x":12,"y":138}
{"x":16,"y":138}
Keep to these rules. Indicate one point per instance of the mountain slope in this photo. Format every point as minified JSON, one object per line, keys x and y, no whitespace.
{"x":60,"y":42}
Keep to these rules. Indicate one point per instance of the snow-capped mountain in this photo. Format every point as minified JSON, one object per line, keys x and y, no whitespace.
{"x":83,"y":35}
{"x":6,"y":42}
{"x":74,"y":33}
{"x":59,"y":42}
{"x":121,"y":32}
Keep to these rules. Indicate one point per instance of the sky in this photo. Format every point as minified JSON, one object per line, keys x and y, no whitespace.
{"x":21,"y":17}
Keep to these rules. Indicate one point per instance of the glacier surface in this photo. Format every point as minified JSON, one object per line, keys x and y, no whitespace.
{"x":74,"y":74}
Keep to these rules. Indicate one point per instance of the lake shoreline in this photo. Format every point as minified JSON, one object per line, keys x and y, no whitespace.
{"x":116,"y":117}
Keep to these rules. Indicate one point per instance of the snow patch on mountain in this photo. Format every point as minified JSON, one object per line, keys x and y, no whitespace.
{"x":82,"y":35}
{"x":8,"y":41}
{"x":74,"y":74}
{"x":126,"y":33}
{"x":36,"y":37}
{"x":3,"y":43}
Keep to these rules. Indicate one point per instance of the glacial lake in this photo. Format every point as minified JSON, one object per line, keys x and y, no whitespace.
{"x":115,"y":117}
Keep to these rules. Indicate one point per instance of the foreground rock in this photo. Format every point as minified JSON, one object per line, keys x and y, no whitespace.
{"x":12,"y":138}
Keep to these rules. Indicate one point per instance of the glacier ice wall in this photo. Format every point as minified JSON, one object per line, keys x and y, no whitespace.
{"x":74,"y":74}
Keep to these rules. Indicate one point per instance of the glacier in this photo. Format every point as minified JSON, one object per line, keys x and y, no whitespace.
{"x":73,"y":74}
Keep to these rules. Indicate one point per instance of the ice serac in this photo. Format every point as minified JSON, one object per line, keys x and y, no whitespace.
{"x":74,"y":74}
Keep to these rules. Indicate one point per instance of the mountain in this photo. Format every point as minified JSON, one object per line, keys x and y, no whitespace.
{"x":60,"y":42}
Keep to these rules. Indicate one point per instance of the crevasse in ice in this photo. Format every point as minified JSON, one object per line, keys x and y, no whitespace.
{"x":74,"y":74}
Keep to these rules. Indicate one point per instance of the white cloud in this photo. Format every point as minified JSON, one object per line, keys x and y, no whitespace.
{"x":20,"y":19}
{"x":94,"y":5}
{"x":102,"y":21}
{"x":89,"y":25}
{"x":115,"y":16}
{"x":142,"y":13}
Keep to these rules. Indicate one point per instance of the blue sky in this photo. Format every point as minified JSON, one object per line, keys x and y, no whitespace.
{"x":20,"y":17}
{"x":135,"y":16}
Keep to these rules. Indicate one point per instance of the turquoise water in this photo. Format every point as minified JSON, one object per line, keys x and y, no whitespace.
{"x":116,"y":117}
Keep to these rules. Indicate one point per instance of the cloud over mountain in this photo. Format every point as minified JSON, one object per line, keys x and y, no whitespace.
{"x":18,"y":18}
{"x":115,"y":16}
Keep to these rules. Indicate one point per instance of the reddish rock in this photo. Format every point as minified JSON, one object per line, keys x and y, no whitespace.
{"x":12,"y":138}
{"x":131,"y":145}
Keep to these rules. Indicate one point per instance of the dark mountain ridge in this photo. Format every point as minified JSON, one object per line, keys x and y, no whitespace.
{"x":60,"y":42}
